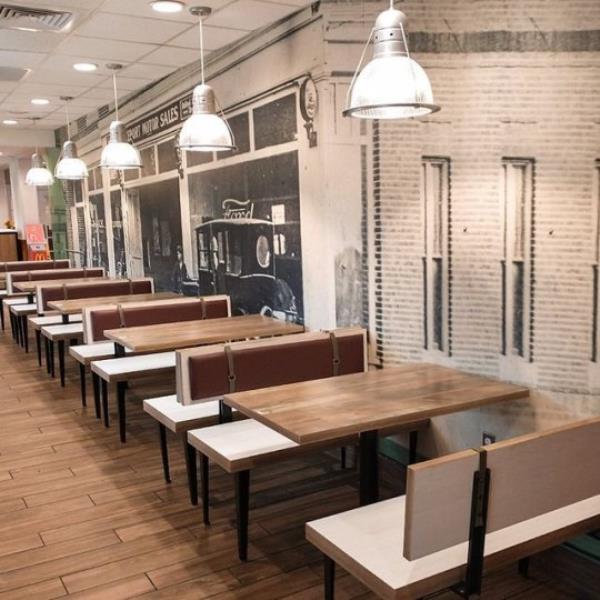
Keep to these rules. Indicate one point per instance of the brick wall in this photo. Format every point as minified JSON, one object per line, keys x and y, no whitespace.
{"x":541,"y":104}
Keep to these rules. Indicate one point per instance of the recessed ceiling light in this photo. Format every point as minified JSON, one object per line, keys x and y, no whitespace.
{"x":9,"y":122}
{"x":85,"y":67}
{"x":167,"y":6}
{"x":40,"y":101}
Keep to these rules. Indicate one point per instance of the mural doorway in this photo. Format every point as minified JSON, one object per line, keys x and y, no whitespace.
{"x":154,"y":224}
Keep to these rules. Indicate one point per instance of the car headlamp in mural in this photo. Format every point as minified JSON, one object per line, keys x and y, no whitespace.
{"x":246,"y":223}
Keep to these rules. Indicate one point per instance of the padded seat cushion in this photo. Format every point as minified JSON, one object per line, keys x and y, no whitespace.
{"x":23,"y":309}
{"x":232,"y":445}
{"x":63,"y":331}
{"x":13,"y":301}
{"x":178,"y":417}
{"x":38,"y":322}
{"x":123,"y":368}
{"x":85,"y":353}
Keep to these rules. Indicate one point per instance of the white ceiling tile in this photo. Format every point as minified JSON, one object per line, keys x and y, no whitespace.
{"x":101,"y":95}
{"x":26,"y":60}
{"x":41,"y":41}
{"x":248,"y":14}
{"x":123,"y":27}
{"x":60,"y":4}
{"x":8,"y":86}
{"x":25,"y":106}
{"x":103,"y":51}
{"x":145,"y":71}
{"x":127,"y":84}
{"x":52,"y":89}
{"x":173,"y":57}
{"x":296,"y":3}
{"x":214,"y":37}
{"x":43,"y":75}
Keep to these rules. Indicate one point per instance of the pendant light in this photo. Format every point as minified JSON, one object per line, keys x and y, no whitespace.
{"x":70,"y":167}
{"x":118,"y":154}
{"x":205,"y":130}
{"x":392,"y":85}
{"x":38,"y":175}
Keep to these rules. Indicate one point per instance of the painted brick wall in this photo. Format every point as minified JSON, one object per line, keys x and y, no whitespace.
{"x":542,"y":104}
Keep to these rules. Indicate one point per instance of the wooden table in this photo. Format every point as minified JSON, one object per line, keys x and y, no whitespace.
{"x":171,"y":336}
{"x":31,"y":286}
{"x":365,"y":403}
{"x":76,"y":305}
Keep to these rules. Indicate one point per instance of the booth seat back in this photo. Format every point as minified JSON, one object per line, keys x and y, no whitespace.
{"x":92,"y":289}
{"x":137,"y":314}
{"x":530,"y":476}
{"x":34,"y":265}
{"x":212,"y":371}
{"x":47,"y":274}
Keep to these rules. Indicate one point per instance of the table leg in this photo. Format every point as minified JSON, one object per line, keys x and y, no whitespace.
{"x":104,"y":386}
{"x":192,"y":470}
{"x":2,"y":312}
{"x":82,"y":381}
{"x":164,"y":451}
{"x":121,"y":387}
{"x":51,"y":350}
{"x":47,"y":349}
{"x":61,"y":361}
{"x":119,"y":350}
{"x":369,"y":467}
{"x":38,"y":345}
{"x":26,"y":333}
{"x":96,"y":388}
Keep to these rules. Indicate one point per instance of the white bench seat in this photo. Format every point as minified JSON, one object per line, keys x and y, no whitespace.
{"x":128,"y":367}
{"x":64,"y":331}
{"x":240,"y":445}
{"x":177,"y":417}
{"x":86,"y":353}
{"x":39,"y":322}
{"x":13,"y":301}
{"x":23,"y":309}
{"x":367,"y":542}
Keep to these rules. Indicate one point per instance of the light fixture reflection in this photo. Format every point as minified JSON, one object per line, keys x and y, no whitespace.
{"x":70,"y":167}
{"x":167,"y":6}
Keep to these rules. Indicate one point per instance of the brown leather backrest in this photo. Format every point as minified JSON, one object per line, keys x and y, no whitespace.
{"x":36,"y":265}
{"x":217,"y":307}
{"x":216,"y":370}
{"x":106,"y":288}
{"x":150,"y":313}
{"x":47,"y":294}
{"x":97,"y":320}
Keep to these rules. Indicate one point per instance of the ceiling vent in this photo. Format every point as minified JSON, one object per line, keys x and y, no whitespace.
{"x":33,"y":19}
{"x":103,"y":111}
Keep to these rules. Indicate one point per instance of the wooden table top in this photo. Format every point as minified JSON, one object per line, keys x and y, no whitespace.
{"x":75,"y":306}
{"x":31,"y":286}
{"x":170,"y":336}
{"x":326,"y":409}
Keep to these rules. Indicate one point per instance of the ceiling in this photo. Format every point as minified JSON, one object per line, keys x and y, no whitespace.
{"x":148,"y":44}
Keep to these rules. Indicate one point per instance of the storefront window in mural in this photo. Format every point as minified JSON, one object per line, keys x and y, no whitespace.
{"x":118,"y":234}
{"x":98,"y":231}
{"x":246,"y":235}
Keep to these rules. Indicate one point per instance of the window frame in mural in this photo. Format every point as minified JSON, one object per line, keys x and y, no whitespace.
{"x":517,"y":264}
{"x":239,"y":225}
{"x":436,"y":206}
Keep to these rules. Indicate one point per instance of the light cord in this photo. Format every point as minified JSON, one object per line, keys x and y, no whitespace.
{"x":115,"y":92}
{"x":68,"y":120}
{"x":201,"y":51}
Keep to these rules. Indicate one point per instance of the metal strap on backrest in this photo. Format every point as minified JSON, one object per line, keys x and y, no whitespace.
{"x":121,"y":315}
{"x":477,"y":529}
{"x":65,"y":291}
{"x":84,"y":271}
{"x":203,"y":307}
{"x":230,"y":367}
{"x":29,"y":275}
{"x":335,"y":348}
{"x":131,"y":286}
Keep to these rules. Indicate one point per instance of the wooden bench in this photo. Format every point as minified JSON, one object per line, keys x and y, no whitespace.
{"x":14,"y":279}
{"x":237,"y":447}
{"x":468,"y":512}
{"x":118,"y":371}
{"x":8,"y":302}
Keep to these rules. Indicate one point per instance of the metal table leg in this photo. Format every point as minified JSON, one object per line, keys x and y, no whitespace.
{"x":369,"y":467}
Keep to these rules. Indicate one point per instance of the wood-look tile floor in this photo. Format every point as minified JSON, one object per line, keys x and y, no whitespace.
{"x":85,"y":516}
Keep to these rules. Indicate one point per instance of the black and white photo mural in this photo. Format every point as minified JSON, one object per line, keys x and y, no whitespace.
{"x":245,"y":218}
{"x":118,"y":235}
{"x":160,"y":221}
{"x":99,"y":248}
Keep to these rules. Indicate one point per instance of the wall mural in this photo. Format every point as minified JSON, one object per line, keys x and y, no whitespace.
{"x":246,"y":235}
{"x":118,"y":236}
{"x":99,"y":247}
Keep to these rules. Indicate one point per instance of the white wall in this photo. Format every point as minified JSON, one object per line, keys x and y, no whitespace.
{"x":24,"y":197}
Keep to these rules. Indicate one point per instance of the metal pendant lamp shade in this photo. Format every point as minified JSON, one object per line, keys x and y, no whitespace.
{"x":392,"y":85}
{"x":118,"y":154}
{"x":38,"y":175}
{"x":205,"y":130}
{"x":70,"y":167}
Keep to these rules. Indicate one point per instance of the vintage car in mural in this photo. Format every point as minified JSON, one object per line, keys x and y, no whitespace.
{"x":237,"y":256}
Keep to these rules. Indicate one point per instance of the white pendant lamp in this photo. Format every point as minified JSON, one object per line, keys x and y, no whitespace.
{"x":392,"y":85}
{"x":118,"y":154}
{"x":38,"y":175}
{"x":205,"y":130}
{"x":70,"y":167}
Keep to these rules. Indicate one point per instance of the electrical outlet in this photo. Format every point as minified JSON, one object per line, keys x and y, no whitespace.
{"x":488,"y":438}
